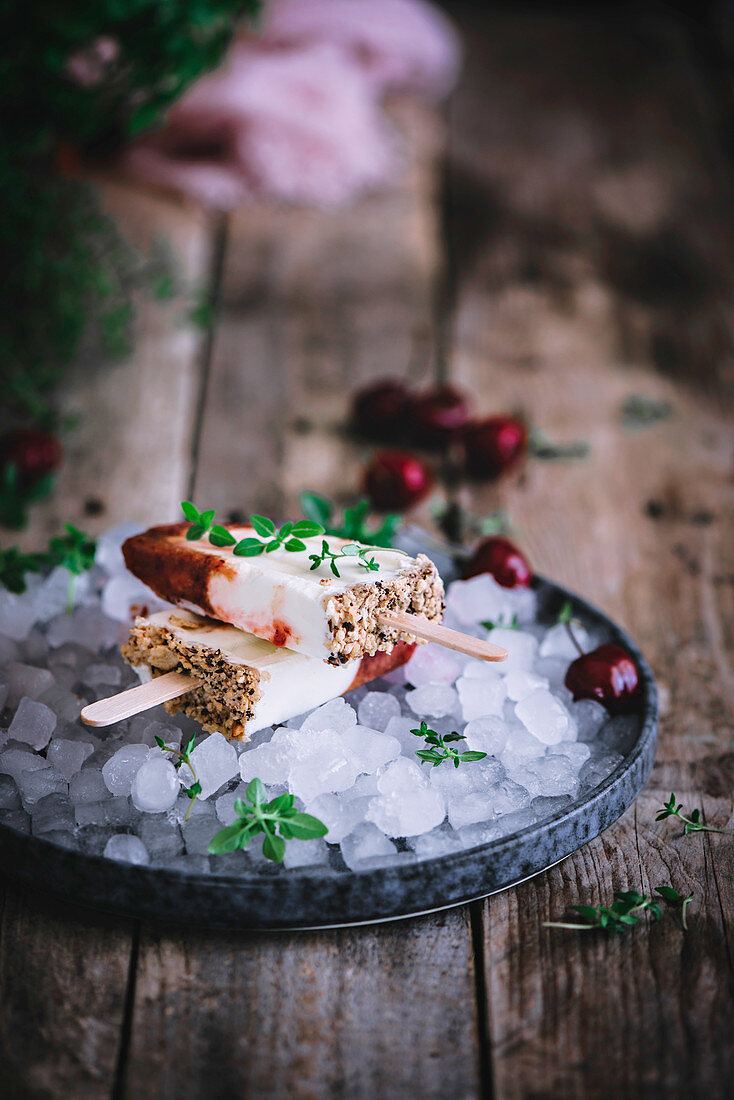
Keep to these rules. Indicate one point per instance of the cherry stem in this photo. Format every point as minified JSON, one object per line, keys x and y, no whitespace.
{"x":573,"y":637}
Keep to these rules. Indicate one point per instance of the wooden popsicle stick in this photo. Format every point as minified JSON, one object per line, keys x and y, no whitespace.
{"x":442,"y":635}
{"x":135,"y":700}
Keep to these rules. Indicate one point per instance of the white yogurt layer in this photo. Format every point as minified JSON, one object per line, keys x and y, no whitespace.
{"x":279,"y":597}
{"x":290,"y":683}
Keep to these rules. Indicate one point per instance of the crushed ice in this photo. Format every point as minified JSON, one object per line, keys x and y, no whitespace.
{"x":351,"y":762}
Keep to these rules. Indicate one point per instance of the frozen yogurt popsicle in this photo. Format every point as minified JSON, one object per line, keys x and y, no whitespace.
{"x":244,"y":683}
{"x":279,"y":598}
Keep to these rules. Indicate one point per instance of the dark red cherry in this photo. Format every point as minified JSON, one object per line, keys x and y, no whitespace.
{"x":607,"y":674}
{"x":380,"y":411}
{"x":35,"y":453}
{"x":396,"y":480}
{"x":438,"y":415}
{"x":500,"y":557}
{"x":494,"y":445}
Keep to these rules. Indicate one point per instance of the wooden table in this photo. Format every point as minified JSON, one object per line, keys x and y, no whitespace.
{"x":586,"y":213}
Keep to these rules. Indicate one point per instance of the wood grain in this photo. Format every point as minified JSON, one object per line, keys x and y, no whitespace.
{"x":579,"y":180}
{"x":313,"y":304}
{"x":358,"y":1013}
{"x":128,"y":452}
{"x":63,"y":989}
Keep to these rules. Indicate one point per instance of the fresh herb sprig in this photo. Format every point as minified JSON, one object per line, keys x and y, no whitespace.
{"x":278,"y":819}
{"x":16,"y":496}
{"x":289,"y":536}
{"x":184,"y":757}
{"x":691,"y":822}
{"x":353,"y":523}
{"x":510,"y":624}
{"x":74,"y":550}
{"x":625,"y":912}
{"x":440,"y":751}
{"x":350,"y":550}
{"x":567,"y":619}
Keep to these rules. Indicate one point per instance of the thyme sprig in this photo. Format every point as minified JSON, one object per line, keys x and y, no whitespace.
{"x":350,"y":550}
{"x":440,"y":751}
{"x":184,"y":757}
{"x":269,"y":537}
{"x":353,"y":524}
{"x":278,"y":819}
{"x":73,"y":550}
{"x":691,"y":822}
{"x":626,"y":911}
{"x":566,"y":617}
{"x":501,"y":622}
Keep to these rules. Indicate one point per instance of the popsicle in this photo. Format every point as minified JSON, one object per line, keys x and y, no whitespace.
{"x":281,"y":599}
{"x":229,"y":680}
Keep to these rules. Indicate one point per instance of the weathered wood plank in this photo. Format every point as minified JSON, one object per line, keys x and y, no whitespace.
{"x":314,"y":304}
{"x":578,"y":1014}
{"x":359,"y":1013}
{"x":63,"y":989}
{"x":589,"y":145}
{"x":129,"y":452}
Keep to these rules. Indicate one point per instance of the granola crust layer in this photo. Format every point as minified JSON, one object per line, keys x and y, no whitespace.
{"x":226,"y":699}
{"x":353,"y":614}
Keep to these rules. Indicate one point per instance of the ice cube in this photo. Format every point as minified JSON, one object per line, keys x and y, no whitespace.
{"x":269,"y":762}
{"x":481,"y":695}
{"x":335,"y":715}
{"x":558,"y":775}
{"x":109,"y":547}
{"x":478,"y":600}
{"x":17,"y":820}
{"x":15,"y":760}
{"x":9,"y":793}
{"x":197,"y":833}
{"x":161,"y":839}
{"x":546,"y":806}
{"x":407,"y":804}
{"x":35,"y":649}
{"x":155,"y":786}
{"x":87,"y":786}
{"x":521,"y":748}
{"x":33,"y":723}
{"x":557,"y":642}
{"x":323,"y":762}
{"x":514,"y":822}
{"x":51,"y":598}
{"x":576,"y":751}
{"x":64,"y":703}
{"x":487,"y":734}
{"x":545,"y":717}
{"x":466,"y":809}
{"x":620,"y":733}
{"x":102,"y":675}
{"x":124,"y":597}
{"x":110,"y":811}
{"x":433,"y":700}
{"x":126,"y":849}
{"x":365,"y":846}
{"x":87,"y":627}
{"x":430,"y":664}
{"x":215,"y":762}
{"x":26,"y":680}
{"x":521,"y":683}
{"x":376,"y":709}
{"x":589,"y":717}
{"x":16,"y":615}
{"x":68,"y":756}
{"x":224,"y":805}
{"x":508,"y":796}
{"x":521,"y":647}
{"x":599,"y":766}
{"x":40,"y":782}
{"x":371,"y":749}
{"x":306,"y":853}
{"x":438,"y":842}
{"x":52,"y":812}
{"x":121,"y":769}
{"x":475,"y":775}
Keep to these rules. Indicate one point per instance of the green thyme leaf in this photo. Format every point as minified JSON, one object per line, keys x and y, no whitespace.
{"x":264,"y":526}
{"x":220,"y":536}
